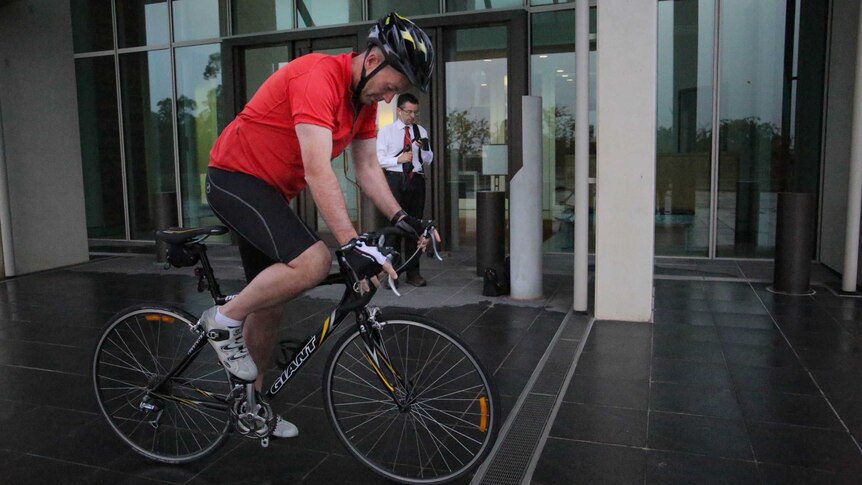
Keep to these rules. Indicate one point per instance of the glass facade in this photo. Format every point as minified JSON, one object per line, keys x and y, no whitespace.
{"x":199,"y":99}
{"x":151,"y":102}
{"x":330,"y":12}
{"x":142,"y":23}
{"x":379,"y":8}
{"x":148,"y":134}
{"x":467,"y":5}
{"x":476,"y":119}
{"x":684,"y":125}
{"x":250,"y":16}
{"x":725,"y":138}
{"x":751,"y":96}
{"x":552,"y":73}
{"x":100,"y":147}
{"x":92,"y":28}
{"x":199,"y":19}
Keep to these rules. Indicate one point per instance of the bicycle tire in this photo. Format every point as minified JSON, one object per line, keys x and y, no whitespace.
{"x":188,"y":418}
{"x":452,"y":412}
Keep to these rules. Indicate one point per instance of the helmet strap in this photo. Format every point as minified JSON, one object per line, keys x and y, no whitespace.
{"x":363,"y":77}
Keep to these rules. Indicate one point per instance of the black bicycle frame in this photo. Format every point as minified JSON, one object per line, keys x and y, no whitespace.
{"x":351,"y":301}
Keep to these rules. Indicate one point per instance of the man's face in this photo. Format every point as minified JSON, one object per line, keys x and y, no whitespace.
{"x":408,"y":113}
{"x":383,"y":86}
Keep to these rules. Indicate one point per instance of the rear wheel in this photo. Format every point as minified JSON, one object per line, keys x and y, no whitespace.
{"x":415,"y":407}
{"x":182,"y":420}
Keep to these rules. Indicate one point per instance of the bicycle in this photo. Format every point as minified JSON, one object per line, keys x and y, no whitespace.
{"x":406,"y":396}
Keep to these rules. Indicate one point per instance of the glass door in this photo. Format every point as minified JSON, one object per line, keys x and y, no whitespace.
{"x":476,"y":123}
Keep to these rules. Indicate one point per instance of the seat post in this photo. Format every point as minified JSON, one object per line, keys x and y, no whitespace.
{"x":215,"y":291}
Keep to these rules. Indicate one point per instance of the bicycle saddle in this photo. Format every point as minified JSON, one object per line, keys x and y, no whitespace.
{"x":183,"y":235}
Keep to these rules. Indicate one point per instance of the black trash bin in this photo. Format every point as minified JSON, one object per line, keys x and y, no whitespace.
{"x":794,"y":243}
{"x":490,"y":229}
{"x":164,"y":215}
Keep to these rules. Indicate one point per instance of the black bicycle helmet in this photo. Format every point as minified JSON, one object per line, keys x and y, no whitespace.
{"x":406,"y":48}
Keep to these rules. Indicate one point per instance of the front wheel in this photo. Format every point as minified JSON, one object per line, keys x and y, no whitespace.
{"x":174,"y":420}
{"x":413,"y":402}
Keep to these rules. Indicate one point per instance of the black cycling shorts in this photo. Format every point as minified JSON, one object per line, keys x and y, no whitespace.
{"x":268,"y":229}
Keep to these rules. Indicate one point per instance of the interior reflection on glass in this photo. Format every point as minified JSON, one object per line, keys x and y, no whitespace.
{"x":684,"y":127}
{"x":754,"y":153}
{"x":148,"y":135}
{"x":331,"y":12}
{"x":379,"y":8}
{"x":198,"y":19}
{"x":142,"y":23}
{"x":476,"y":116}
{"x":250,"y":16}
{"x":467,"y":5}
{"x":199,"y":97}
{"x":100,"y":147}
{"x":553,"y":77}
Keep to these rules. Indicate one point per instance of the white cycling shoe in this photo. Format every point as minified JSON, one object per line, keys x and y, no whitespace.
{"x":284,"y":429}
{"x":229,"y":346}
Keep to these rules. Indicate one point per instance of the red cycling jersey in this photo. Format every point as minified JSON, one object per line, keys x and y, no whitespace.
{"x":261,"y":141}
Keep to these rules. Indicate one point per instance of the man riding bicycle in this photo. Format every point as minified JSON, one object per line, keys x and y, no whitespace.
{"x":301,"y":118}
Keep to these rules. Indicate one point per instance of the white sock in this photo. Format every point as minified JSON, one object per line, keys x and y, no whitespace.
{"x":226,"y":321}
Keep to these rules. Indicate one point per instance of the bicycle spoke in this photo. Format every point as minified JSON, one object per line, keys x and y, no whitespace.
{"x":188,"y":416}
{"x":443,"y":414}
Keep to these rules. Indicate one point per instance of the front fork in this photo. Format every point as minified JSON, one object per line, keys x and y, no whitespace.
{"x":375,"y":352}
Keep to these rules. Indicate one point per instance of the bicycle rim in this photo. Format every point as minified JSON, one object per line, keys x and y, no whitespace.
{"x":448,"y":415}
{"x":184,"y":420}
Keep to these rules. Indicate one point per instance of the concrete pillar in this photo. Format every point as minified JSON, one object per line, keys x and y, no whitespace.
{"x":626,"y":158}
{"x":525,"y":208}
{"x":854,"y":192}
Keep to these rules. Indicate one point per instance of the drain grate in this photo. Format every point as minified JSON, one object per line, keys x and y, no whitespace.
{"x":513,"y":457}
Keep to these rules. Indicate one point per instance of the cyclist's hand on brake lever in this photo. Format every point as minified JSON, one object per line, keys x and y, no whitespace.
{"x":367,"y":261}
{"x":421,"y":230}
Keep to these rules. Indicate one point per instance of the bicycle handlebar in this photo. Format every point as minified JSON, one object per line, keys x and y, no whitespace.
{"x":379,"y":239}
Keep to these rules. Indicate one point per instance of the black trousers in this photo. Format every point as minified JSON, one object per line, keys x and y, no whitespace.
{"x":410,"y":193}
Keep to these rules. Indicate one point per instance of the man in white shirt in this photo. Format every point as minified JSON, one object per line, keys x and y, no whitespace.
{"x":404,"y":151}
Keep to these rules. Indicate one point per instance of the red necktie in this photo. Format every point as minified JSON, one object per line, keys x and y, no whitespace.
{"x":408,"y":146}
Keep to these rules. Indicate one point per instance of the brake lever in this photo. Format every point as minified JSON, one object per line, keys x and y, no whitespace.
{"x":393,"y":287}
{"x":390,"y":281}
{"x":429,"y":234}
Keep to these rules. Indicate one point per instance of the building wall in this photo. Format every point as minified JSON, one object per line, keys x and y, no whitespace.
{"x":41,"y":144}
{"x":836,"y":143}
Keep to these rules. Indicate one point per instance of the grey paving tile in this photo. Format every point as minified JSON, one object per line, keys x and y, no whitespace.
{"x":601,"y":424}
{"x":697,"y":400}
{"x":596,"y":463}
{"x":673,"y":467}
{"x":712,"y":437}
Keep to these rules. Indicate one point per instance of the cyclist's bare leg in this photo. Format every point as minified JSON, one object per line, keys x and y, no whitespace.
{"x":260,"y":333}
{"x":281,"y":283}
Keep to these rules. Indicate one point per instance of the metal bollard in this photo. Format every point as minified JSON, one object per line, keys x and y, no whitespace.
{"x":490,"y":229}
{"x":164,"y":216}
{"x":794,"y":243}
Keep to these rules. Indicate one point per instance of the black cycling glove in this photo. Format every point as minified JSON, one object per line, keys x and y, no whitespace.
{"x":365,"y":260}
{"x":413,"y":226}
